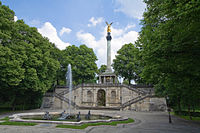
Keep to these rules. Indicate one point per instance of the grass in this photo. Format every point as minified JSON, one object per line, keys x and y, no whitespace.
{"x":83,"y":126}
{"x":7,"y":122}
{"x":17,"y":123}
{"x":186,"y":117}
{"x":73,"y":119}
{"x":6,"y":111}
{"x":5,"y":118}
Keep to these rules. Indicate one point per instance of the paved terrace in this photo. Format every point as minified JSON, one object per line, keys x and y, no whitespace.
{"x":145,"y":122}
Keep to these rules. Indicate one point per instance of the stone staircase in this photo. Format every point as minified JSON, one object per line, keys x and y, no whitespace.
{"x":67,"y":90}
{"x":133,"y":88}
{"x":47,"y":105}
{"x":134,"y":100}
{"x":100,"y":108}
{"x":142,"y":95}
{"x":61,"y":97}
{"x":47,"y":101}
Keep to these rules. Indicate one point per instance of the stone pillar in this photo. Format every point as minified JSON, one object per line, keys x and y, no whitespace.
{"x":108,"y":37}
{"x":95,"y":97}
{"x":116,"y":80}
{"x":99,"y":79}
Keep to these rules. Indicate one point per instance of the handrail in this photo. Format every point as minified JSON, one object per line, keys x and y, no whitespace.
{"x":131,"y":87}
{"x":109,"y":84}
{"x":65,"y":99}
{"x":134,"y":100}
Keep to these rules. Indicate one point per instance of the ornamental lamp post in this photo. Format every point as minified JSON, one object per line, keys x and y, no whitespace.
{"x":168,"y":109}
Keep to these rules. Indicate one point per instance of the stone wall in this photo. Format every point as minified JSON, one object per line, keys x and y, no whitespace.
{"x":87,"y":96}
{"x":128,"y":94}
{"x":116,"y":95}
{"x":149,"y":104}
{"x":142,"y":105}
{"x":157,"y":104}
{"x":47,"y":101}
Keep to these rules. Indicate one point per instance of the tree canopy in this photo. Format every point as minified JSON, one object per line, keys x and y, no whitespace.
{"x":170,"y":49}
{"x":82,"y":60}
{"x":30,"y":64}
{"x":102,"y":69}
{"x":27,"y":64}
{"x":126,"y":64}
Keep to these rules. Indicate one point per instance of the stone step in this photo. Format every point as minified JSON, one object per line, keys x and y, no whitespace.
{"x":135,"y":100}
{"x":99,"y":108}
{"x":65,"y":100}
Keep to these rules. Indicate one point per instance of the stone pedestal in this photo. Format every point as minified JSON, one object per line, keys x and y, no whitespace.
{"x":108,"y":78}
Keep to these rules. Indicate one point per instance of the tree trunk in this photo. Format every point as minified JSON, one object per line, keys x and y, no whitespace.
{"x":193,"y":108}
{"x":179,"y":105}
{"x":23,"y":107}
{"x":13,"y":103}
{"x":189,"y":112}
{"x":57,"y":82}
{"x":129,"y":81}
{"x":13,"y":106}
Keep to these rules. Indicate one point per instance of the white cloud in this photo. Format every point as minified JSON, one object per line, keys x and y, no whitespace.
{"x":34,"y":23}
{"x":87,"y":38}
{"x":64,"y":30}
{"x":49,"y":31}
{"x":15,"y":18}
{"x":119,"y":38}
{"x":130,"y":26}
{"x":94,"y":21}
{"x":132,"y":8}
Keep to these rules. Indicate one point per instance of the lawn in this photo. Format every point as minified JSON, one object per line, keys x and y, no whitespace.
{"x":7,"y":122}
{"x":17,"y":123}
{"x":83,"y":126}
{"x":186,"y":117}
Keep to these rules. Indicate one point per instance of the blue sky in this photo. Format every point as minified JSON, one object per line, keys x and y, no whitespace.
{"x":76,"y":22}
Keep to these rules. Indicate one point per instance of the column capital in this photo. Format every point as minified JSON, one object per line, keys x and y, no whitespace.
{"x":108,"y":37}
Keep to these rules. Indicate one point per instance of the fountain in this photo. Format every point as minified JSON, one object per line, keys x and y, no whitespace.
{"x":69,"y":84}
{"x":87,"y":117}
{"x":65,"y":118}
{"x":78,"y":117}
{"x":47,"y":116}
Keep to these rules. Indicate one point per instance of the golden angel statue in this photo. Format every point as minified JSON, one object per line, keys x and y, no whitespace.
{"x":108,"y":29}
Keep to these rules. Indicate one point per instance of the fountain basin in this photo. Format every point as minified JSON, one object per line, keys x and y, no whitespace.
{"x":19,"y":118}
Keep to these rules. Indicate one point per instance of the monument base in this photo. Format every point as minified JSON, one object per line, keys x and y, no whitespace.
{"x":108,"y":77}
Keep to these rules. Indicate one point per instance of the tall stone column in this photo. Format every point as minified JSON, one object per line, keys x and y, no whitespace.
{"x":109,"y":38}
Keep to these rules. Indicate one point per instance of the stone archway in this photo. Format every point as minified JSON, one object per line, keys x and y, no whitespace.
{"x":101,"y":98}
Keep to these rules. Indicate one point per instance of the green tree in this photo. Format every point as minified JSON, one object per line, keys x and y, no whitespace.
{"x":102,"y":69}
{"x":82,"y":60}
{"x":27,"y":63}
{"x":125,"y":64}
{"x":170,"y":45}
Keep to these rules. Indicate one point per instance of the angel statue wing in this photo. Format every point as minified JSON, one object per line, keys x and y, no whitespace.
{"x":109,"y":24}
{"x":108,"y":28}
